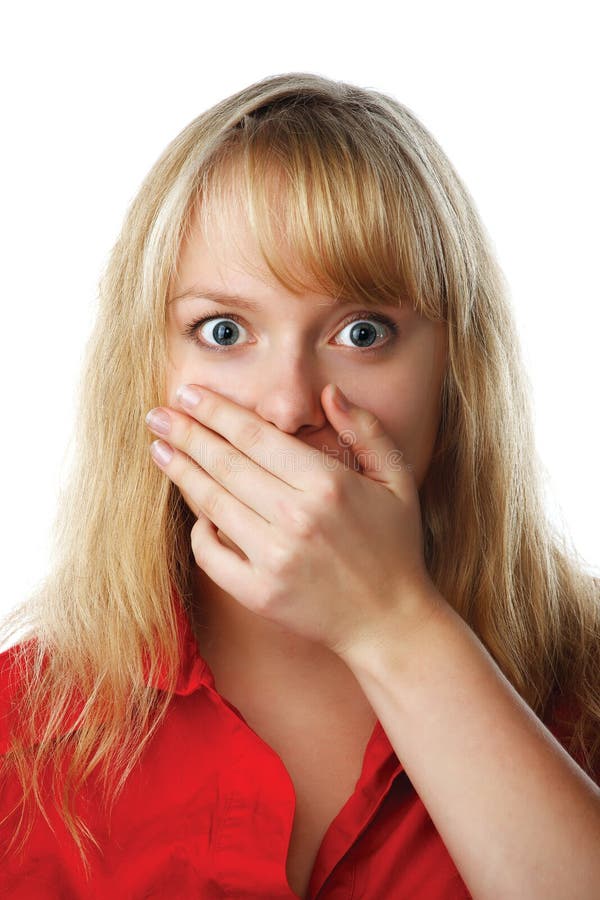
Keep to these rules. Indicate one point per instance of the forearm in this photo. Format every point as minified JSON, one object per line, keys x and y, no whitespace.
{"x":518,"y":816}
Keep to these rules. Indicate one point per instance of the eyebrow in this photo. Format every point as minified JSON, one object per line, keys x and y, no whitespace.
{"x":218,"y":297}
{"x":227,"y":299}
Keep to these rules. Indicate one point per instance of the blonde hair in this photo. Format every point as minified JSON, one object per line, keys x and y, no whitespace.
{"x":367,"y":206}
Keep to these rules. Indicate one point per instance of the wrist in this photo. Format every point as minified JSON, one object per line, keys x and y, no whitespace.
{"x":403,"y":630}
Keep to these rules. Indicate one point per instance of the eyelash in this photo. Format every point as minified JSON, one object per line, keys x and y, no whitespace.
{"x":192,"y":327}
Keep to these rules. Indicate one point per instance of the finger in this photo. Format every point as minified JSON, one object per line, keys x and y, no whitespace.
{"x":195,"y":509}
{"x":257,"y":488}
{"x":283,"y":455}
{"x":379,"y":457}
{"x":246,"y":527}
{"x":222,"y":565}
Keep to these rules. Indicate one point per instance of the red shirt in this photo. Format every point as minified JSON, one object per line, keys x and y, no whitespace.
{"x":208,"y":813}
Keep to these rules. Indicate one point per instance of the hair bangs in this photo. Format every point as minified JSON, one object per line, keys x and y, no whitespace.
{"x":328,"y":213}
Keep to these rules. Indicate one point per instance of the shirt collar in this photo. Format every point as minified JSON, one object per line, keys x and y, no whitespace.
{"x":194,"y":671}
{"x":193,"y":674}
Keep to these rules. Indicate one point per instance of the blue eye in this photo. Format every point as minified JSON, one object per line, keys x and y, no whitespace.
{"x":362,"y":329}
{"x":221,"y":332}
{"x":225,"y":332}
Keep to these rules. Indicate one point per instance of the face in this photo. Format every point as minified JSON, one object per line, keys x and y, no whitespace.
{"x":277,"y":358}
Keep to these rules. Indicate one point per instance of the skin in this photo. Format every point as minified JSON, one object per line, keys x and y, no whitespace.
{"x":284,"y":356}
{"x":332,"y":618}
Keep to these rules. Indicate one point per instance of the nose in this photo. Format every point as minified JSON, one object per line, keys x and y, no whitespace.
{"x":290,"y":398}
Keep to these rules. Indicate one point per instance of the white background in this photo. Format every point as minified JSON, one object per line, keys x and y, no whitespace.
{"x":93,"y":93}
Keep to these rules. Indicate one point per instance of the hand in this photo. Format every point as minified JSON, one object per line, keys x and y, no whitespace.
{"x":329,"y":552}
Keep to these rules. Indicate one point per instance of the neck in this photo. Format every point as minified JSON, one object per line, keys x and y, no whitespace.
{"x":224,"y":626}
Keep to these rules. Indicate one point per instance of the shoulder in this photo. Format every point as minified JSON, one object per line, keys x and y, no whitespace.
{"x":561,"y":720}
{"x":561,"y":717}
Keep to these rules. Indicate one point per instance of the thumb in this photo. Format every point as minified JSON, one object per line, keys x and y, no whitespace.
{"x":362,"y":432}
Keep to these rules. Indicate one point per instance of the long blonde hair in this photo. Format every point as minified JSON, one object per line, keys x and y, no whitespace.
{"x":367,"y":206}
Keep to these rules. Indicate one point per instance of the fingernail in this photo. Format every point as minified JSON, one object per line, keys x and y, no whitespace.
{"x":188,"y":396}
{"x":159,"y":421}
{"x":161,"y":452}
{"x":340,"y":400}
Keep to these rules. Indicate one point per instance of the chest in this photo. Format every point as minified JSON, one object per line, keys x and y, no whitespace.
{"x":317,"y":719}
{"x":323,"y":755}
{"x":318,"y":801}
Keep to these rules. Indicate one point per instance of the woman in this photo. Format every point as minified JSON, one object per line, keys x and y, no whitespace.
{"x":304,"y":649}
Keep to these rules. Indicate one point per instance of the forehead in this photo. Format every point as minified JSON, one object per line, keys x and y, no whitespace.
{"x":238,"y":277}
{"x":218,"y":255}
{"x":229,"y":269}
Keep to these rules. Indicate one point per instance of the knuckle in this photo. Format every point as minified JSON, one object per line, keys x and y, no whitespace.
{"x":372,"y":425}
{"x":198,"y":540}
{"x":250,"y":435}
{"x":185,"y":477}
{"x":276,"y":557}
{"x":303,"y":522}
{"x":299,"y":519}
{"x":210,"y":409}
{"x":331,"y":490}
{"x":191,"y":504}
{"x":221,"y":467}
{"x":187,"y":433}
{"x":212,"y":504}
